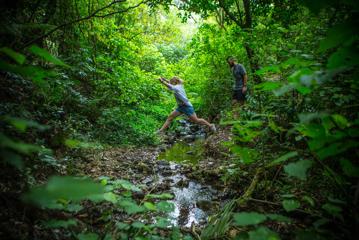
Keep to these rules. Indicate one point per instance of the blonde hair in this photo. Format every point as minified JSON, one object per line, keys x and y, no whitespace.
{"x":176,"y":80}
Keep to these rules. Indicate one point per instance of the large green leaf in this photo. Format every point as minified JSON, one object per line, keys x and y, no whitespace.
{"x":23,"y":124}
{"x":333,"y":209}
{"x":248,"y":218}
{"x":298,"y":169}
{"x":337,"y":35}
{"x":290,"y":204}
{"x":36,"y":74}
{"x":18,"y":57}
{"x":131,"y":207}
{"x":279,"y":218}
{"x":46,"y":55}
{"x":60,"y":223}
{"x":268,"y":86}
{"x":162,"y":223}
{"x":263,"y":233}
{"x":343,"y":57}
{"x":120,"y":183}
{"x":18,"y":146}
{"x":65,"y":187}
{"x":336,"y":148}
{"x":165,"y":206}
{"x":12,"y":158}
{"x":150,"y":206}
{"x":283,"y":158}
{"x":160,"y":196}
{"x":246,"y":155}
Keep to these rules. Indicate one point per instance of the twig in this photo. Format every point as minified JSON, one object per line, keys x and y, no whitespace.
{"x":244,"y":198}
{"x":193,"y":231}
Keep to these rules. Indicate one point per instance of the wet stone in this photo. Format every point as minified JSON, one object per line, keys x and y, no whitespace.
{"x":182,"y":183}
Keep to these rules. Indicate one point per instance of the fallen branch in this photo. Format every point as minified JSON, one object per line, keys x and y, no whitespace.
{"x":248,"y":193}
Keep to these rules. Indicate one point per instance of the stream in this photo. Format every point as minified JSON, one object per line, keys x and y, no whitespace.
{"x":193,"y":201}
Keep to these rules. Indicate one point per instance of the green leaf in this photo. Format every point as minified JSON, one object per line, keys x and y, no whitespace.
{"x":126,"y":185}
{"x":17,"y":146}
{"x":46,"y":55}
{"x":165,"y":206}
{"x":290,"y":204}
{"x":65,"y":187}
{"x":162,"y":223}
{"x":23,"y":124}
{"x":87,"y":236}
{"x":343,"y":57}
{"x":279,"y":218}
{"x":122,"y":226}
{"x":150,"y":206}
{"x":12,"y":158}
{"x":340,"y":120}
{"x":18,"y":57}
{"x":131,"y":207}
{"x":246,"y":155}
{"x":337,"y":35}
{"x":298,"y":169}
{"x":309,"y":200}
{"x":349,"y":168}
{"x":332,"y":209}
{"x":60,"y":223}
{"x":73,"y":207}
{"x":308,"y":117}
{"x":268,"y":86}
{"x":336,"y":148}
{"x":273,"y":68}
{"x":111,"y":197}
{"x":138,"y":225}
{"x":159,"y":196}
{"x":284,"y":158}
{"x":263,"y":233}
{"x":248,"y":218}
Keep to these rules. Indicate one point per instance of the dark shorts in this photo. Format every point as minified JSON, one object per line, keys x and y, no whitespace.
{"x":239,"y":95}
{"x":188,"y":110}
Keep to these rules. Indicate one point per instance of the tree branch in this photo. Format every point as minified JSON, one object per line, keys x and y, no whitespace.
{"x":229,"y":14}
{"x":121,"y":11}
{"x":92,"y":15}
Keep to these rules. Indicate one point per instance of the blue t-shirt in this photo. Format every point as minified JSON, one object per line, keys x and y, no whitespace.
{"x":180,"y":95}
{"x":238,"y":72}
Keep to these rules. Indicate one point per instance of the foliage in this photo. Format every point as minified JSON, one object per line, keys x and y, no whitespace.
{"x":80,"y":75}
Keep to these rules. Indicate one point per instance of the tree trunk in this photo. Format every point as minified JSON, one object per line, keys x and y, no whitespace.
{"x":253,"y":61}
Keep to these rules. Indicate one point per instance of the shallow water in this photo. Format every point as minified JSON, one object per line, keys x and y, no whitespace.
{"x":182,"y":152}
{"x":193,"y":201}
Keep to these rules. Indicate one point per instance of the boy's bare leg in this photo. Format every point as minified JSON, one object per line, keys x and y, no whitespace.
{"x":201,"y":121}
{"x":170,"y":118}
{"x":195,"y":119}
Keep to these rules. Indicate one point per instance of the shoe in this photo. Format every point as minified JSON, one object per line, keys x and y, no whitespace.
{"x":213,"y":128}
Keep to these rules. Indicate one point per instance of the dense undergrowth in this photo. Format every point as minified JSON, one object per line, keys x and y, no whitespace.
{"x":80,"y":76}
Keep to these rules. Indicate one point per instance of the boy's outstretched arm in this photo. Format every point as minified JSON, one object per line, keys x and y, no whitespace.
{"x":165,"y":82}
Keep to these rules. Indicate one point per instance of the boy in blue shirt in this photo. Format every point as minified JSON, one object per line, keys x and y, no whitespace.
{"x":184,"y":106}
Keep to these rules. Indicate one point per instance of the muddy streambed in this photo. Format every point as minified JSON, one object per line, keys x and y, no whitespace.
{"x":184,"y":165}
